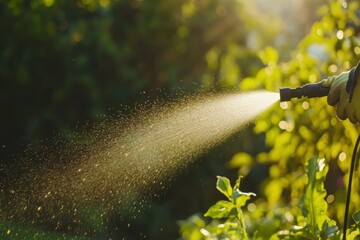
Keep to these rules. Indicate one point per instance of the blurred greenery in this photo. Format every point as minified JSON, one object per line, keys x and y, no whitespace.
{"x":303,"y":129}
{"x":64,"y":64}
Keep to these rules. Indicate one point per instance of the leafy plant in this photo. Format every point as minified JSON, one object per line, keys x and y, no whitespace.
{"x":314,"y":222}
{"x":292,"y":201}
{"x":231,"y":221}
{"x":301,"y":129}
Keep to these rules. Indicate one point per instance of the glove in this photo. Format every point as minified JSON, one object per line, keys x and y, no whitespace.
{"x":339,"y":97}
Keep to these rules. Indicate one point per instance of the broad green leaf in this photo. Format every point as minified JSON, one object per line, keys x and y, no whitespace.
{"x":314,"y":206}
{"x":221,"y":209}
{"x":356,"y":216}
{"x":354,"y":235}
{"x":223,"y":185}
{"x":329,"y":229}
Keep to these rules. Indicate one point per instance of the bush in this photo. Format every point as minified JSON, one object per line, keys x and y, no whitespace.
{"x":309,"y":220}
{"x":292,"y":201}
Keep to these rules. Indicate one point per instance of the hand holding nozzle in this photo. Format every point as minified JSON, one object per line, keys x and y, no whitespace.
{"x":338,"y":97}
{"x":343,"y":93}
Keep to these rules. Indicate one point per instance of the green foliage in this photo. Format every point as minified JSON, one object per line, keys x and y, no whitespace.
{"x":314,"y":222}
{"x":232,"y":221}
{"x":229,"y":220}
{"x":292,"y":201}
{"x":236,"y":199}
{"x":189,"y":228}
{"x":301,"y":129}
{"x":355,"y":230}
{"x":314,"y":206}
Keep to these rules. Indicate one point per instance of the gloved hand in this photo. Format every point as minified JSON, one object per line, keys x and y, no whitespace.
{"x":339,"y":97}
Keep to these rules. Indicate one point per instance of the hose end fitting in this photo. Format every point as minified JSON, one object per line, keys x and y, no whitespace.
{"x":309,"y":90}
{"x":285,"y":94}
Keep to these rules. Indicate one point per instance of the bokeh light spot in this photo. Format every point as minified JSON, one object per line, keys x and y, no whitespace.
{"x":333,"y":68}
{"x":251,"y":207}
{"x":330,"y":198}
{"x":305,"y":105}
{"x":333,"y":121}
{"x":340,"y":34}
{"x":104,"y":3}
{"x":289,"y":217}
{"x":283,"y":125}
{"x":342,"y":156}
{"x":48,"y":3}
{"x":344,"y":4}
{"x":312,"y":78}
{"x":284,"y":105}
{"x":357,"y":50}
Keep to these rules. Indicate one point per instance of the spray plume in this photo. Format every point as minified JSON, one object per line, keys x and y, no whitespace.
{"x":116,"y":162}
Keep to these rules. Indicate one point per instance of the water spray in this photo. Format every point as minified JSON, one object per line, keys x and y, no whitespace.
{"x":315,"y":90}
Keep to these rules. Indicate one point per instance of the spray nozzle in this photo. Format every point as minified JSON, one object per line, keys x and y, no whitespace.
{"x":314,"y":90}
{"x":308,"y":90}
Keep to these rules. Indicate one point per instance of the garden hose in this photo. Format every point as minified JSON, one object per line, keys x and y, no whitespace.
{"x":348,"y":195}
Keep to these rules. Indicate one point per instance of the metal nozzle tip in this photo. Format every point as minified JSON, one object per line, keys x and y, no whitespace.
{"x":285,"y":94}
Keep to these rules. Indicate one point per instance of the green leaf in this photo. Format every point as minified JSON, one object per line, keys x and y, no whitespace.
{"x":329,"y":229}
{"x":269,"y":55}
{"x":229,"y":228}
{"x":314,"y":206}
{"x":241,"y":201}
{"x":221,"y":209}
{"x":223,"y":185}
{"x":240,"y":197}
{"x":354,"y":235}
{"x":356,"y":216}
{"x":237,"y":185}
